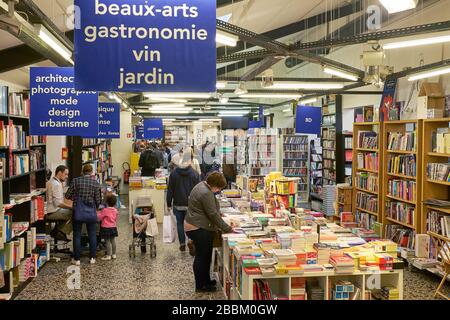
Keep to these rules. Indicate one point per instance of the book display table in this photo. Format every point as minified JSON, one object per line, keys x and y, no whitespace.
{"x":153,"y":188}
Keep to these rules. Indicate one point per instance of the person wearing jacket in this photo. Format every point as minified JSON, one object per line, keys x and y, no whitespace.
{"x":203,"y":219}
{"x":181,"y":182}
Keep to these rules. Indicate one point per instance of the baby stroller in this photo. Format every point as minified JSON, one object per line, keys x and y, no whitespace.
{"x":142,"y":235}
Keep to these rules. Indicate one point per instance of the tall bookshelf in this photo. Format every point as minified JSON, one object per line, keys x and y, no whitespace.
{"x":332,"y":148}
{"x":315,"y":165}
{"x":262,"y":153}
{"x":367,"y":141}
{"x":241,"y":152}
{"x":98,"y":153}
{"x":23,"y":249}
{"x":402,"y":176}
{"x":434,"y":188}
{"x":295,"y":162}
{"x":347,"y":142}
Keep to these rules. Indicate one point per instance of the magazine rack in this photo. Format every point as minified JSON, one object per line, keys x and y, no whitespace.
{"x":442,"y":245}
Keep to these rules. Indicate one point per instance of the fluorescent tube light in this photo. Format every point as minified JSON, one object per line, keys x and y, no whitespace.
{"x":226,"y":39}
{"x":307,"y":86}
{"x":54,"y":43}
{"x":341,"y":74}
{"x":229,"y":115}
{"x":169,"y":119}
{"x":287,"y":110}
{"x":221,"y":85}
{"x":224,"y":100}
{"x":181,"y":95}
{"x":417,"y":42}
{"x":169,"y":111}
{"x":169,"y":106}
{"x":234,"y":112}
{"x":271,"y":96}
{"x":118,"y":100}
{"x":306,"y":101}
{"x":393,"y":6}
{"x":430,"y":73}
{"x":169,"y":100}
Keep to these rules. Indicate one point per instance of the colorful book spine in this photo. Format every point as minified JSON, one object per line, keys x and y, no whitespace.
{"x":402,"y":189}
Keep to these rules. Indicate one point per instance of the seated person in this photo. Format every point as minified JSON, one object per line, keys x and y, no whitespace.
{"x":59,"y":209}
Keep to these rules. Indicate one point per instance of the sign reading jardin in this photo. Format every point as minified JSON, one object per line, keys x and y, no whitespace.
{"x":140,"y":45}
{"x":56,"y":108}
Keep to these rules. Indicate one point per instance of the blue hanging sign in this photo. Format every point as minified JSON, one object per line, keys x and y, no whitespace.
{"x":308,"y":120}
{"x":153,"y":129}
{"x":252,"y":124}
{"x":139,"y":132}
{"x":56,"y":108}
{"x":141,"y":45}
{"x":262,"y":122}
{"x":109,"y":120}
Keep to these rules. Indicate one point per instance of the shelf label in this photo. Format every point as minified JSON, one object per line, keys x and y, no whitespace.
{"x":153,"y":129}
{"x":56,"y":108}
{"x":308,"y":120}
{"x":141,"y":45}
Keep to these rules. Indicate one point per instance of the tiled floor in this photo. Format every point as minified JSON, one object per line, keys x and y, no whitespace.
{"x":168,"y":276}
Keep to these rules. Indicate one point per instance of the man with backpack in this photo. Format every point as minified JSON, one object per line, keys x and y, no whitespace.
{"x":149,"y":162}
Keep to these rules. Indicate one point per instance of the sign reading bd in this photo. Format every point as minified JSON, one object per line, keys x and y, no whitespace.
{"x":140,"y":45}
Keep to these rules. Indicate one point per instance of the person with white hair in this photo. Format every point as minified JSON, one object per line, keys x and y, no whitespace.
{"x":181,"y":182}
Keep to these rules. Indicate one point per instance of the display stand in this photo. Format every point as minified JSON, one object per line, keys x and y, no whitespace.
{"x":442,"y":245}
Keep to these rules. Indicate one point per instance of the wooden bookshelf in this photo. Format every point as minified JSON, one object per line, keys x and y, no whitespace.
{"x":408,"y":154}
{"x":433,"y":189}
{"x":364,"y":216}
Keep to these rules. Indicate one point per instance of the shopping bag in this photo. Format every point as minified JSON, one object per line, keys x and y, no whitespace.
{"x":152,"y":228}
{"x":169,"y":229}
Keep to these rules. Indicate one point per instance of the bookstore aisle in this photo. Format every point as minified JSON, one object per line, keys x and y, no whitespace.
{"x":168,"y":276}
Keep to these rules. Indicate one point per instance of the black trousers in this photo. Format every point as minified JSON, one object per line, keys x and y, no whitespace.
{"x":203,"y":242}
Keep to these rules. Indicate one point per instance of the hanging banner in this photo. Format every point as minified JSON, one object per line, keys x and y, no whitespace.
{"x":139,"y":132}
{"x":261,"y":117}
{"x":253,"y":124}
{"x":56,"y":108}
{"x":141,"y":45}
{"x":387,"y":105}
{"x":308,"y":120}
{"x":153,"y":129}
{"x":109,"y":120}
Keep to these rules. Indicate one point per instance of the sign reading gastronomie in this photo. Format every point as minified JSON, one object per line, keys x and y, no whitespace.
{"x":308,"y":120}
{"x":56,"y":108}
{"x":109,"y":120}
{"x":140,"y":45}
{"x":153,"y":129}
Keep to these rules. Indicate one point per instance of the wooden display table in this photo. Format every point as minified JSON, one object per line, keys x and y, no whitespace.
{"x":158,"y":197}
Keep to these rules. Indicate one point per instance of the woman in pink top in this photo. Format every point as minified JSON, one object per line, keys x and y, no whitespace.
{"x":108,"y":230}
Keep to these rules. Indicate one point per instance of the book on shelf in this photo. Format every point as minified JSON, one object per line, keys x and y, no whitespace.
{"x":438,"y":171}
{"x":296,"y":140}
{"x":15,"y":136}
{"x":348,"y":142}
{"x":367,"y":181}
{"x":402,"y":164}
{"x":440,"y":140}
{"x":403,"y":189}
{"x":438,"y":222}
{"x":367,"y":160}
{"x":35,"y":140}
{"x":367,"y":140}
{"x":365,"y":220}
{"x":367,"y":201}
{"x":3,"y":167}
{"x":3,"y":99}
{"x":20,"y":164}
{"x":402,"y":141}
{"x":400,"y":211}
{"x":404,"y":237}
{"x":348,"y":155}
{"x":37,"y":158}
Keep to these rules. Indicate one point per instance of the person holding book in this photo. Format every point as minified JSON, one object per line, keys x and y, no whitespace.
{"x":108,"y":230}
{"x":58,"y":209}
{"x":203,"y":220}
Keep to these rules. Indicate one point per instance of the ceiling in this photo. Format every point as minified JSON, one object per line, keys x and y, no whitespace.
{"x":288,"y":21}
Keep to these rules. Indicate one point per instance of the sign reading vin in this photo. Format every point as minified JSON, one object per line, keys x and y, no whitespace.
{"x":140,"y":45}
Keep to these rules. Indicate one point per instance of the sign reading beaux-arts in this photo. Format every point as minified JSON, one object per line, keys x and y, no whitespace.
{"x":140,"y":45}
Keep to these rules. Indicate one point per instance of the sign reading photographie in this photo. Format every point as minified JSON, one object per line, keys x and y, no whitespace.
{"x":56,"y":108}
{"x":153,"y":129}
{"x":308,"y":120}
{"x":140,"y":45}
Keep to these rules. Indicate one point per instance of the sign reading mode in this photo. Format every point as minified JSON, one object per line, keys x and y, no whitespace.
{"x":56,"y":108}
{"x":136,"y":45}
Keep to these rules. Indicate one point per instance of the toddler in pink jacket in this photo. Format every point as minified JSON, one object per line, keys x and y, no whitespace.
{"x":108,"y":229}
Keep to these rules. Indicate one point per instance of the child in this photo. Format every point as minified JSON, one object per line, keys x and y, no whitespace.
{"x":108,"y":231}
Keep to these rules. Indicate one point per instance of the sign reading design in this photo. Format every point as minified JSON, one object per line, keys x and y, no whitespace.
{"x":56,"y":108}
{"x":140,"y":45}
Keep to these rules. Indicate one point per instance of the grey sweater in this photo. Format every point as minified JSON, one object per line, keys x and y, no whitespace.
{"x":204,"y":210}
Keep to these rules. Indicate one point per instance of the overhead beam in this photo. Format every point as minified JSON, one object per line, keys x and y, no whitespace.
{"x":407,"y":72}
{"x":18,"y":57}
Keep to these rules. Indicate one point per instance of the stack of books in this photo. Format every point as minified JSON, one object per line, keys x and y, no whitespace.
{"x":323,"y":253}
{"x":402,"y":141}
{"x":298,"y":289}
{"x":342,"y":290}
{"x":390,"y":293}
{"x":342,"y":264}
{"x":314,"y":290}
{"x":285,"y":256}
{"x":438,"y":171}
{"x":367,"y":140}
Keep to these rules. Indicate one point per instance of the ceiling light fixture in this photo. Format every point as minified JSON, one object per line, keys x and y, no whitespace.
{"x":170,"y":111}
{"x":168,"y":106}
{"x":306,"y":86}
{"x":224,"y":100}
{"x":287,"y":110}
{"x":307,"y":101}
{"x":226,"y":39}
{"x":54,"y":43}
{"x":430,"y":73}
{"x":241,"y":89}
{"x":180,"y":95}
{"x":169,"y":100}
{"x":417,"y":42}
{"x":221,"y":84}
{"x":271,"y":96}
{"x":341,"y":74}
{"x":394,"y":6}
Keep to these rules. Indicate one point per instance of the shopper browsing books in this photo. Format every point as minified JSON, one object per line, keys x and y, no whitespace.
{"x":108,"y":230}
{"x":203,"y":219}
{"x":149,"y":161}
{"x":85,"y":193}
{"x":57,"y":209}
{"x":181,"y":182}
